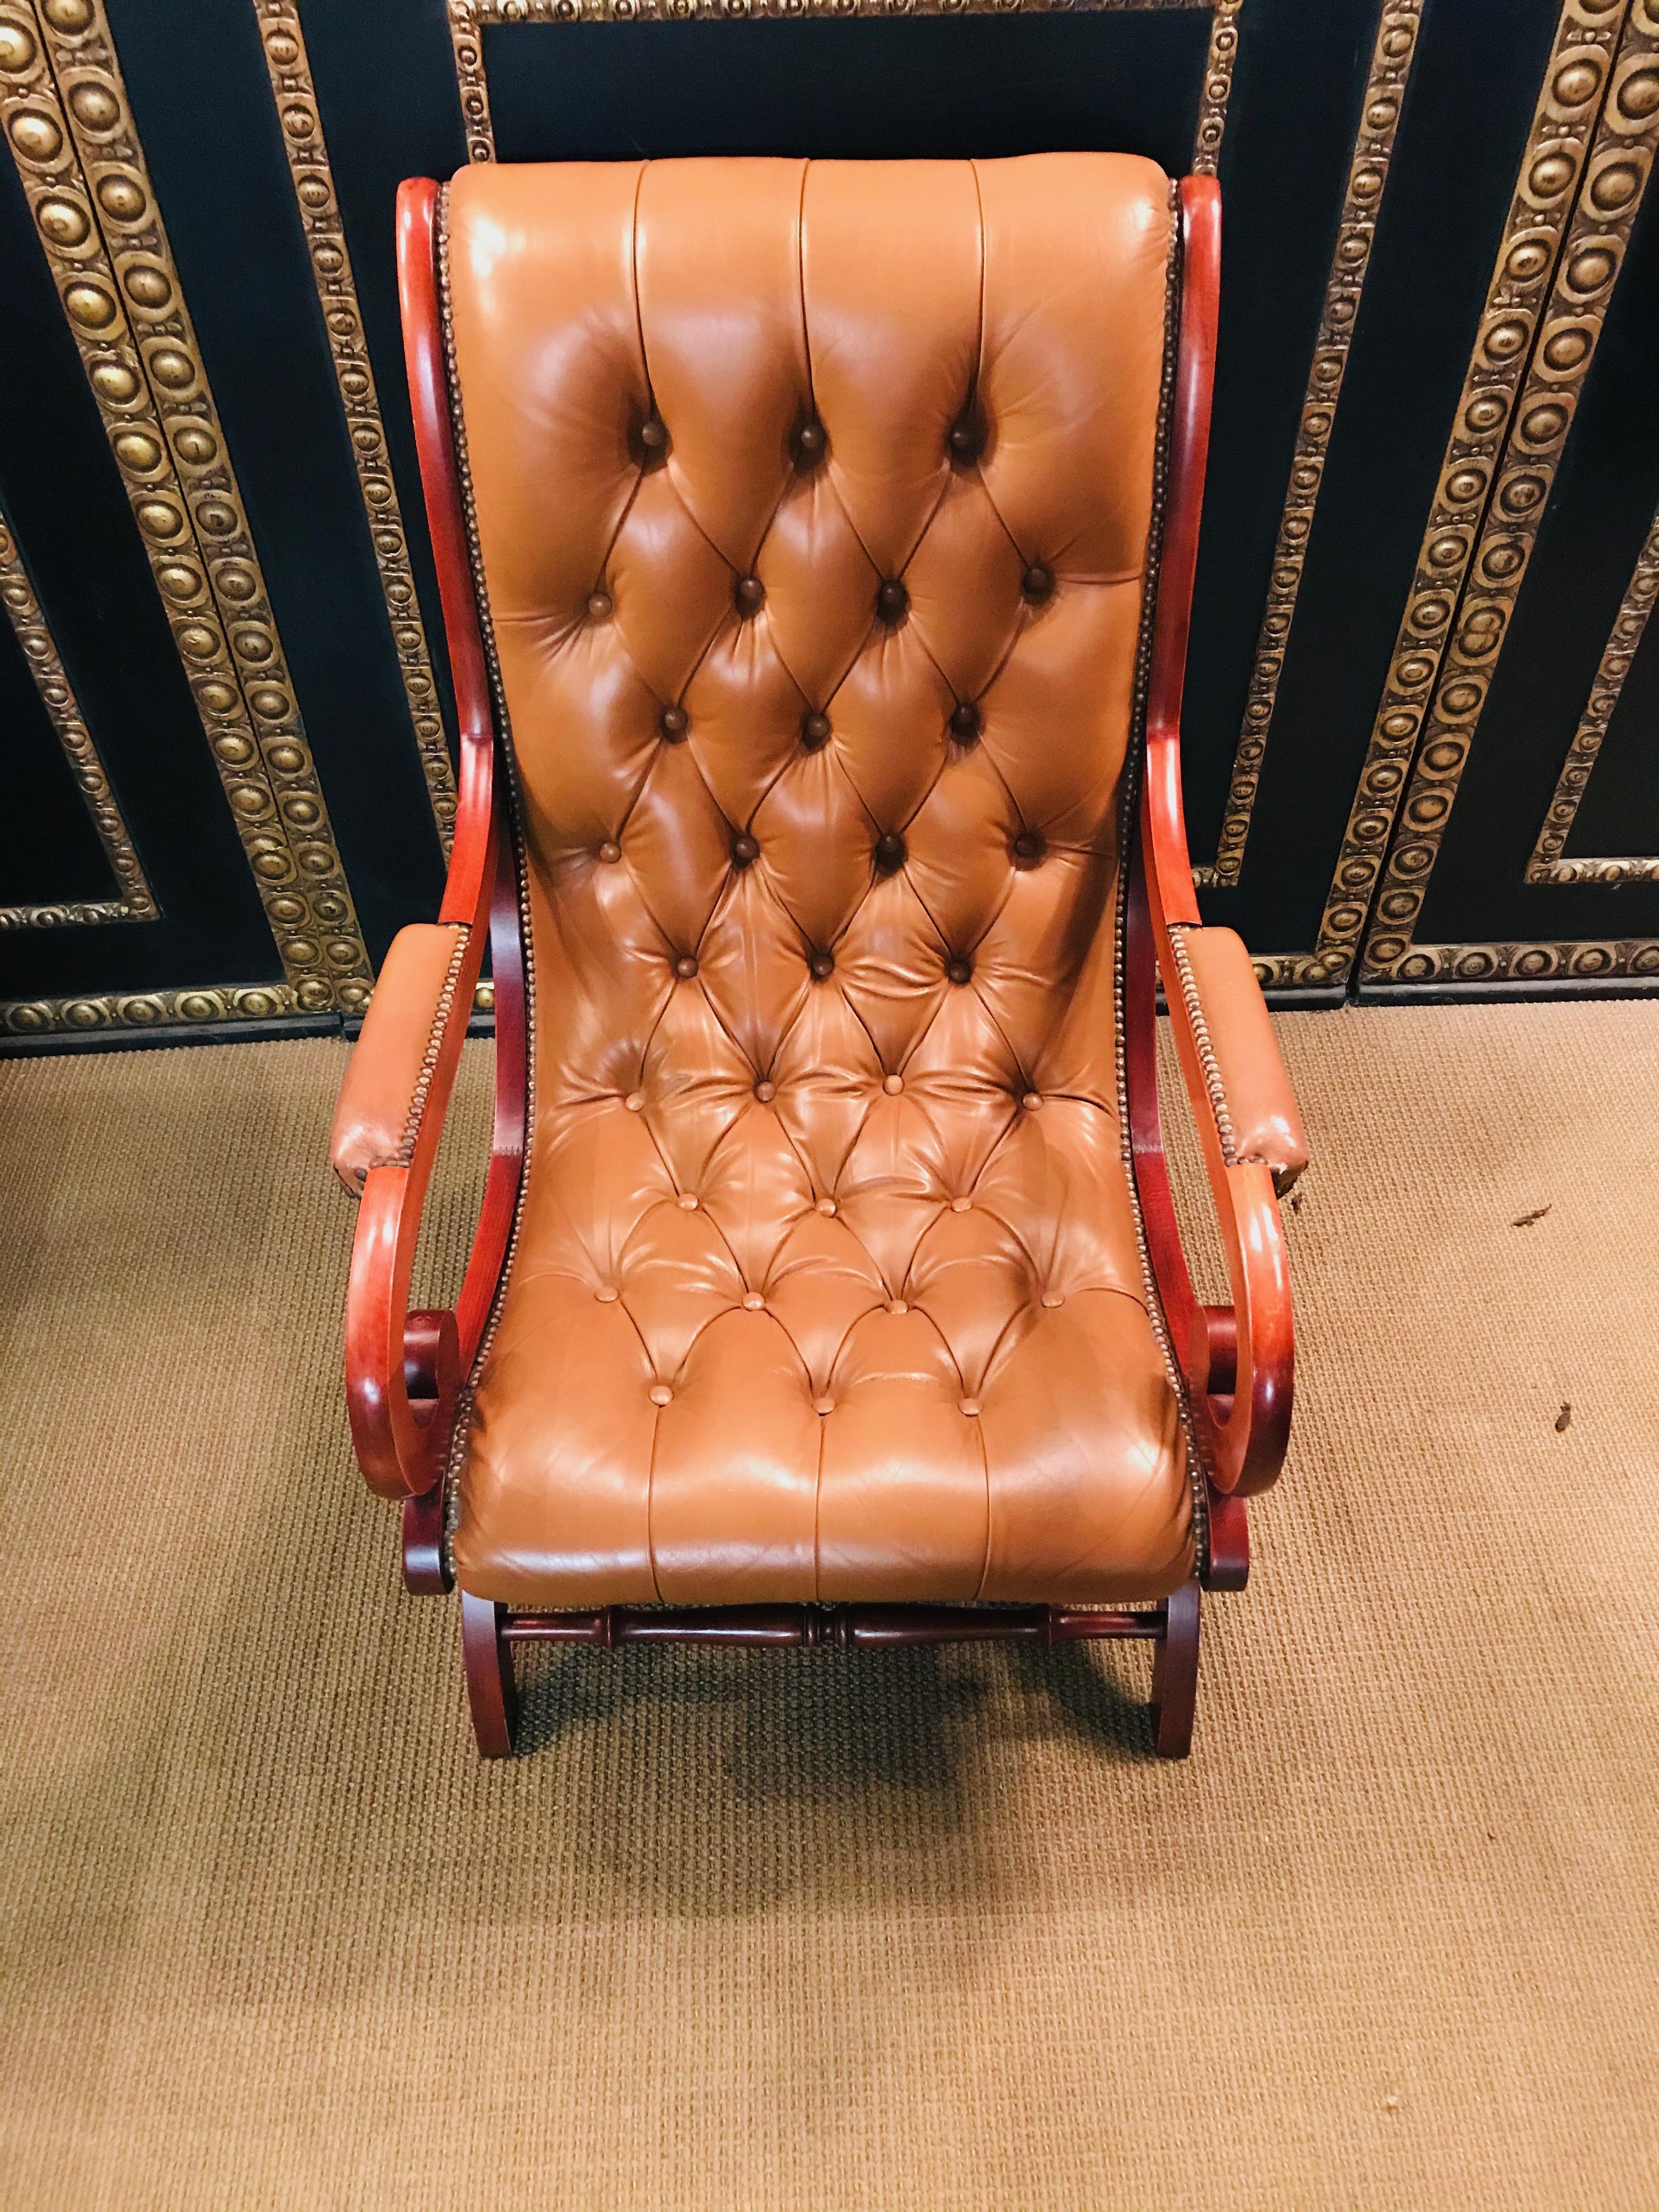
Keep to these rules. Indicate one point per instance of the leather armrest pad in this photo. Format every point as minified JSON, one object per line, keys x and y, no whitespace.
{"x":371,"y":1117}
{"x":1257,"y":1109}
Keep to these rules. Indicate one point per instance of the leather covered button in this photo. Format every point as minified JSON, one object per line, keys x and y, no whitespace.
{"x":766,"y":1092}
{"x":812,"y":443}
{"x":745,"y":850}
{"x":892,"y":602}
{"x":823,"y":1404}
{"x":967,"y":437}
{"x":965,"y":723}
{"x":611,"y":850}
{"x":968,"y":1405}
{"x":687,"y":1201}
{"x":815,"y":732}
{"x":959,"y":970}
{"x":960,"y":1204}
{"x":598,"y":605}
{"x":1029,"y":847}
{"x":648,"y":443}
{"x":890,"y":852}
{"x":822,"y":963}
{"x":1038,"y":582}
{"x":635,"y":1102}
{"x":1032,"y":1102}
{"x":608,"y":1296}
{"x":748,"y":594}
{"x":661,"y":1394}
{"x":1053,"y":1298}
{"x":897,"y":1306}
{"x":686,"y":966}
{"x":826,"y":1205}
{"x":753,"y":1302}
{"x":892,"y":1085}
{"x":674,"y":722}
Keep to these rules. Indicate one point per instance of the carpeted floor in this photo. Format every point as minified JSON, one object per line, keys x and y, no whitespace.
{"x":928,"y":1932}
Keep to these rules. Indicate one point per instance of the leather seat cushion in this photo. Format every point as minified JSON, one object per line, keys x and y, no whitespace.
{"x":813,"y":504}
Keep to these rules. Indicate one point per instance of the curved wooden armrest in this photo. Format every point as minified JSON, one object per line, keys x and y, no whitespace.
{"x":1239,"y":1358}
{"x":405,"y":1371}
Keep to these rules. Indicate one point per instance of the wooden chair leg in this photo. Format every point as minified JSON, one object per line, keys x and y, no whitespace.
{"x":1174,"y":1674}
{"x":491,"y":1691}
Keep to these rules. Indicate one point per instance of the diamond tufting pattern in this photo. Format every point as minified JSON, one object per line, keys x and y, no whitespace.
{"x":812,"y":503}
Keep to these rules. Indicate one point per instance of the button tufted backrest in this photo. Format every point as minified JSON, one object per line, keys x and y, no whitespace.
{"x":813,"y":504}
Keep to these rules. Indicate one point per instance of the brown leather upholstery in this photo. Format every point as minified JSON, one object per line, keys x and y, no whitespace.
{"x":372,"y":1114}
{"x":1255,"y":1106}
{"x":813,"y":504}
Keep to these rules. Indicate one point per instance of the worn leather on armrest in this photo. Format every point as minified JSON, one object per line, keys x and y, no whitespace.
{"x":1255,"y":1106}
{"x":404,"y":1019}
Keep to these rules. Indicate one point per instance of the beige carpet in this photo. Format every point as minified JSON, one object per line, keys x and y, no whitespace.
{"x":930,"y":1930}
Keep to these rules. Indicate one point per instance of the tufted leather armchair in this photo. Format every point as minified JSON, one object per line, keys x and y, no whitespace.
{"x":815,"y":541}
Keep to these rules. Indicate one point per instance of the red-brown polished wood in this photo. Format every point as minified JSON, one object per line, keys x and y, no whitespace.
{"x":400,"y":1430}
{"x":1242,"y":1428}
{"x":492,"y":1690}
{"x":843,"y":1626}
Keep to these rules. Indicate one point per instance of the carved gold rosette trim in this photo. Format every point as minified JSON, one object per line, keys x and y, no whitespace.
{"x":70,"y":129}
{"x":1611,"y":180}
{"x":470,"y":83}
{"x":1547,"y":864}
{"x":1551,"y":165}
{"x":148,"y":1010}
{"x":1218,"y":86}
{"x":136,"y":901}
{"x":469,"y":18}
{"x":1392,"y":56}
{"x":331,"y":266}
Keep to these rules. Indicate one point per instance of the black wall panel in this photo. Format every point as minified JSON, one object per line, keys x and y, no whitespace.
{"x":212,"y":129}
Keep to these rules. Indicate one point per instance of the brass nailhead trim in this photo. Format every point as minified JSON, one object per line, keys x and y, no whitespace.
{"x":505,"y":762}
{"x":1127,"y":816}
{"x":434,"y":1045}
{"x":1201,"y":1028}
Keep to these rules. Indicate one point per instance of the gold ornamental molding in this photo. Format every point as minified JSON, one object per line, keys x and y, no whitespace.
{"x":1392,"y":55}
{"x":331,"y":267}
{"x":1611,"y":178}
{"x":124,"y":1011}
{"x":67,"y":120}
{"x":469,"y":19}
{"x":1552,"y":164}
{"x":1547,"y":865}
{"x":136,"y":901}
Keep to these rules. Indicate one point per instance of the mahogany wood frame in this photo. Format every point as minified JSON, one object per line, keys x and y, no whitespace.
{"x":405,"y":1371}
